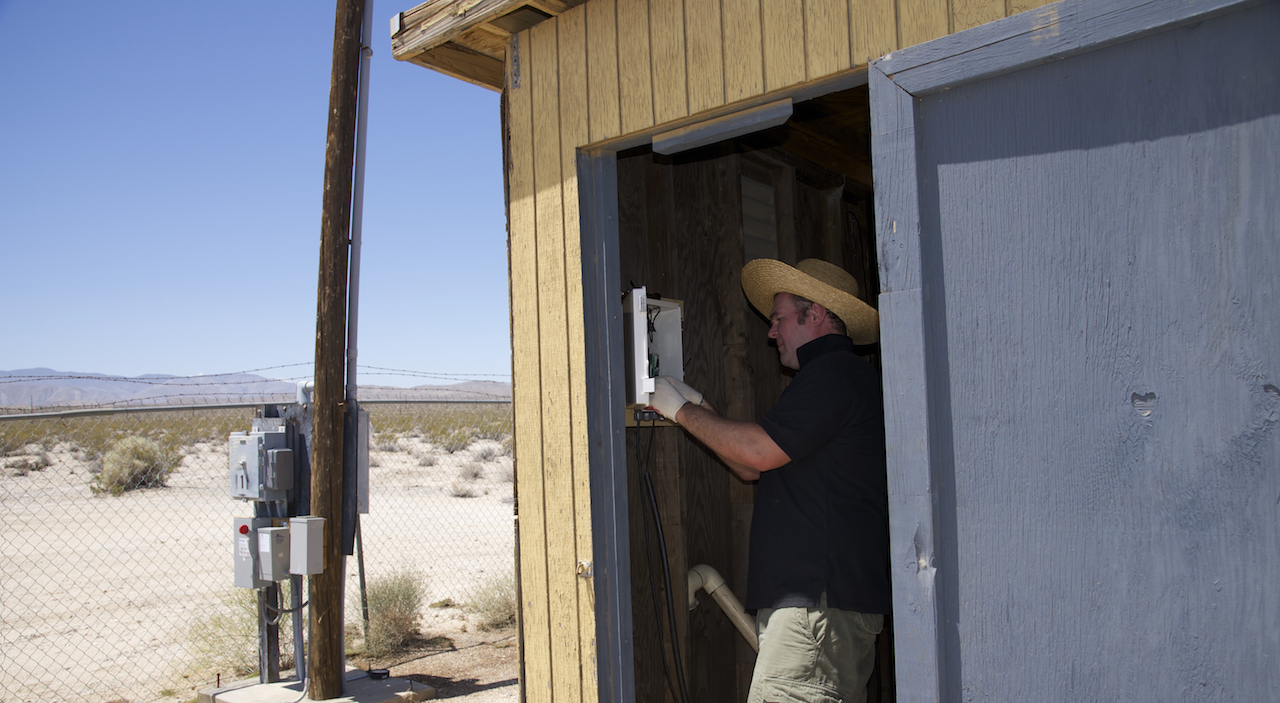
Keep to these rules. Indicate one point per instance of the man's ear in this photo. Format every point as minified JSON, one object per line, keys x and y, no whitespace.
{"x":817,"y":313}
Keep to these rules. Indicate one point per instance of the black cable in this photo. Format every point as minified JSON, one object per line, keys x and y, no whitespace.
{"x":683,"y":692}
{"x":666,"y":574}
{"x":641,"y":464}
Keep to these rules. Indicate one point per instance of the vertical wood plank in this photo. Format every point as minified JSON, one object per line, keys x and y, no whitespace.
{"x":832,"y":226}
{"x":705,"y":47}
{"x":708,"y":640}
{"x":827,"y":43}
{"x":736,"y":398}
{"x":526,"y":377}
{"x":782,"y":30}
{"x":663,"y":253}
{"x":971,"y":13}
{"x":566,"y":678}
{"x":873,"y":29}
{"x":1016,"y":6}
{"x":635,"y":79}
{"x":602,"y":69}
{"x":574,"y":132}
{"x":670,"y":87}
{"x":922,"y":20}
{"x":784,"y":203}
{"x":743,"y":51}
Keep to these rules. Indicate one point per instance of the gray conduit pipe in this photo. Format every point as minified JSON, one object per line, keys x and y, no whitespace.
{"x":708,"y":579}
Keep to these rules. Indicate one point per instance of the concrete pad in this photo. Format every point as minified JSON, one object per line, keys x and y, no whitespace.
{"x":357,"y":688}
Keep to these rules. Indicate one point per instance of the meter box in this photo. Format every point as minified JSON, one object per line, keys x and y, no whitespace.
{"x":273,"y":553}
{"x":653,"y":343}
{"x":306,"y":545}
{"x":245,"y":537}
{"x":261,"y":465}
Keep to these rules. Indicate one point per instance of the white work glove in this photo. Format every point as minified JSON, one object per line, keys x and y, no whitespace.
{"x":665,"y":398}
{"x":685,"y":390}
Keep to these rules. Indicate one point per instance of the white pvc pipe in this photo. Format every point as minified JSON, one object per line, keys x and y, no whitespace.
{"x":707,"y":578}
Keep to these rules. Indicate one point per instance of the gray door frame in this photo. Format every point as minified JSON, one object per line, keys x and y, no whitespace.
{"x":921,"y":506}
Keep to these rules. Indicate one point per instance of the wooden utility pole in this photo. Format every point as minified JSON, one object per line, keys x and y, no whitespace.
{"x":327,"y":661}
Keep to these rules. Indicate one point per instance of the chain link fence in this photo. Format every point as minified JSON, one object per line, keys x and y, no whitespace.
{"x":121,"y":588}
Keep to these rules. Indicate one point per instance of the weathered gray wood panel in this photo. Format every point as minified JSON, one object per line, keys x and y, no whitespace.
{"x":1099,"y":240}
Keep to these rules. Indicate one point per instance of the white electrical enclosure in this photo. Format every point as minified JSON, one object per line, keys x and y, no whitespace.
{"x":273,"y":553}
{"x":653,"y":343}
{"x":306,"y":545}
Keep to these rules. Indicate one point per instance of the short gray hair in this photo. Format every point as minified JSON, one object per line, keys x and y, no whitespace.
{"x":802,"y":310}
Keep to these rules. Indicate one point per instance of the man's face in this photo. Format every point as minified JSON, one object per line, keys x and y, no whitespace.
{"x":785,"y":327}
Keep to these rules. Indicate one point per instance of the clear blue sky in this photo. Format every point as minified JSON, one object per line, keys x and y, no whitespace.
{"x":161,"y":173}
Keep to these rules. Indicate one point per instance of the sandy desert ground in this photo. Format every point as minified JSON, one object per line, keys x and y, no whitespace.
{"x":101,"y":593}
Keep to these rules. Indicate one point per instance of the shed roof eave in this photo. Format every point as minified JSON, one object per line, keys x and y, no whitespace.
{"x":467,"y":38}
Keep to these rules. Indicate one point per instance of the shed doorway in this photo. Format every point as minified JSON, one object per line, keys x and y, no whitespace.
{"x":685,"y":225}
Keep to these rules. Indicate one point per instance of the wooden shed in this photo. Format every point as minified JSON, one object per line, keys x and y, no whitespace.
{"x":1068,"y":217}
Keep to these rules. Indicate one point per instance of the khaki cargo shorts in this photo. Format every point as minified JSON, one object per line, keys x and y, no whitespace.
{"x":814,"y":655}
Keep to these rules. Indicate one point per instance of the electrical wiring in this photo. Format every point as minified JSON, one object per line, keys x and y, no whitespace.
{"x":682,"y":694}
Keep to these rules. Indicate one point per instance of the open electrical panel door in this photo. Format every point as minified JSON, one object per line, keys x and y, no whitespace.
{"x":654,"y":346}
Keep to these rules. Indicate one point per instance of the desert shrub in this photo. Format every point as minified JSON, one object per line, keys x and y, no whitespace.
{"x":486,"y":450}
{"x":494,"y":601}
{"x":462,"y":488}
{"x":387,"y":443}
{"x":22,"y":466}
{"x":395,"y":601}
{"x":226,"y":639}
{"x":471,"y":472}
{"x":456,"y":441}
{"x":427,"y":458}
{"x":134,"y":462}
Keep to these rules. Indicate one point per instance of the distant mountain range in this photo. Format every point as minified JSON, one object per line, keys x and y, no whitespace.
{"x":47,"y":388}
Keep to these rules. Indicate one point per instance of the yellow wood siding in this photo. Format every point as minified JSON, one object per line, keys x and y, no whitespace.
{"x":826,"y":36}
{"x":666,"y":41}
{"x":602,"y":69}
{"x":527,"y":381}
{"x":574,"y":130}
{"x":605,"y":69}
{"x":873,"y":29}
{"x":705,"y":44}
{"x":743,"y":51}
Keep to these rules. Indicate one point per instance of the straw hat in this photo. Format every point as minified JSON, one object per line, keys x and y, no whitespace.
{"x":826,"y":284}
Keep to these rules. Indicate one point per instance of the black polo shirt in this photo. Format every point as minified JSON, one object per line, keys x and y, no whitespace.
{"x":821,"y":523}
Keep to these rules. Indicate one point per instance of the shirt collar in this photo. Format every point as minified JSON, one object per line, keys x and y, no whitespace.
{"x":823,"y":345}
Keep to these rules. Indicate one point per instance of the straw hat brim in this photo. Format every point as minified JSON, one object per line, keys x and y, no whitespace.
{"x":762,"y":279}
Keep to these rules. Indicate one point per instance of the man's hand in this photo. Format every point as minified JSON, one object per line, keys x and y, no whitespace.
{"x":666,"y":398}
{"x":685,"y":390}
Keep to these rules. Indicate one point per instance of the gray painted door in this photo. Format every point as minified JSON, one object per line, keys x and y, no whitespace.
{"x":1079,"y":224}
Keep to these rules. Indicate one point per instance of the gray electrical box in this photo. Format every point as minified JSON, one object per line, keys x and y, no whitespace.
{"x":273,"y":553}
{"x":245,"y":553}
{"x":306,"y":547}
{"x":261,"y":465}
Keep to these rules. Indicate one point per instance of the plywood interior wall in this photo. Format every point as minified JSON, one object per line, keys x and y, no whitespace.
{"x":680,"y":222}
{"x":602,"y":70}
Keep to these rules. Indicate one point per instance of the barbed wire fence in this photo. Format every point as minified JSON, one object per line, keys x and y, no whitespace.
{"x":121,"y":588}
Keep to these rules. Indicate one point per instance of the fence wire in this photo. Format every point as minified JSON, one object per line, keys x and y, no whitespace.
{"x":117,"y":540}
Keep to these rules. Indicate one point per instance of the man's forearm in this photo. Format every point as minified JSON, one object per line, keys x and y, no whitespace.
{"x":744,"y":446}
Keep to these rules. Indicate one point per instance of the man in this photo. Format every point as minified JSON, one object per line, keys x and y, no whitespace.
{"x":818,"y":571}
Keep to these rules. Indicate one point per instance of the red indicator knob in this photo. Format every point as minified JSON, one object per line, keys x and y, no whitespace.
{"x":244,"y":529}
